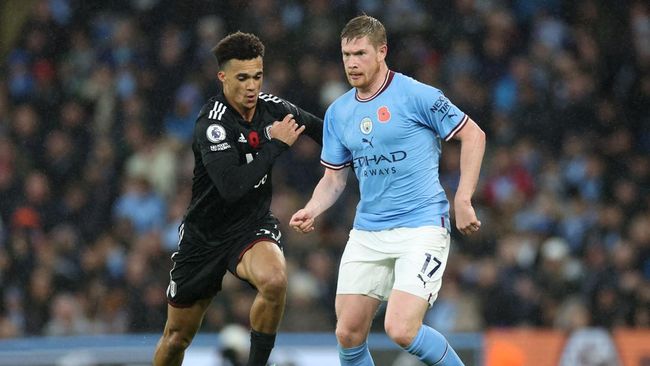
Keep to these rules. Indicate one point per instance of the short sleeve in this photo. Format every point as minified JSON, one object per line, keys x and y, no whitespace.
{"x":435,"y":110}
{"x":334,"y":154}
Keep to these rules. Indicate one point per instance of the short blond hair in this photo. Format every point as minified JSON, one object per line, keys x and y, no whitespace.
{"x":365,"y":26}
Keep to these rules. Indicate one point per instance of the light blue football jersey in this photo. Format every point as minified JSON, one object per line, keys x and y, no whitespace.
{"x":392,"y":140}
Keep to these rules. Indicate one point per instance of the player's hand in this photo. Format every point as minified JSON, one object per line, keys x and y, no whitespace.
{"x":286,"y":130}
{"x":302,"y":221}
{"x":466,"y":220}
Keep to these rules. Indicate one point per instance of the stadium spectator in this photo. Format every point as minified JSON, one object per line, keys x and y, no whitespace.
{"x":574,"y":77}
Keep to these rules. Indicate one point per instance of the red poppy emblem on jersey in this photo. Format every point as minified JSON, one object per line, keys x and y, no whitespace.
{"x":383,"y":114}
{"x":254,"y":139}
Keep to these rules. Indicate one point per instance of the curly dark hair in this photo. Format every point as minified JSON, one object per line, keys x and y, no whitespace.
{"x":239,"y":46}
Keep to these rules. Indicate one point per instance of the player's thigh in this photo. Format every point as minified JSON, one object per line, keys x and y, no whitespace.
{"x":364,"y":270}
{"x":354,"y":313}
{"x":404,"y":312}
{"x":419,"y":268}
{"x":197,"y":272}
{"x":185,"y":321}
{"x":263,"y":260}
{"x":256,"y":255}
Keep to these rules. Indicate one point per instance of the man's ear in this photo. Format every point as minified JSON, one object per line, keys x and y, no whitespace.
{"x":221,"y":76}
{"x":382,"y":51}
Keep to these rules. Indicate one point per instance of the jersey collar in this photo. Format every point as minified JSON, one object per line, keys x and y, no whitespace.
{"x":389,"y":77}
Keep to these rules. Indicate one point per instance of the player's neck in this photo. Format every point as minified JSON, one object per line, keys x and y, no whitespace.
{"x":246,"y":114}
{"x":376,"y":84}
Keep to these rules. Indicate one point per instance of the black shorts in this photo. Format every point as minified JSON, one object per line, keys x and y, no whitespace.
{"x":199,"y":267}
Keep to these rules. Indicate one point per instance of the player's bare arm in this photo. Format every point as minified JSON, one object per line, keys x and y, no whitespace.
{"x":327,"y":191}
{"x":472,"y":140}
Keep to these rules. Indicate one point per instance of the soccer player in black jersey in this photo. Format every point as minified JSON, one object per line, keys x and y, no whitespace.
{"x":228,"y":225}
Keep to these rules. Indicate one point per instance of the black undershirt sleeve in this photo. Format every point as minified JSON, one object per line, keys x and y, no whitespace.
{"x":313,"y":127}
{"x":313,"y":124}
{"x":233,"y":180}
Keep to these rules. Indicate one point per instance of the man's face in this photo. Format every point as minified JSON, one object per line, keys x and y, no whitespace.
{"x":242,"y":82}
{"x":361,"y":61}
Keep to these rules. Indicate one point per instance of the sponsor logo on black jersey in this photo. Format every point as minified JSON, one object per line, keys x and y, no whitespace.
{"x":220,"y":147}
{"x":215,"y":133}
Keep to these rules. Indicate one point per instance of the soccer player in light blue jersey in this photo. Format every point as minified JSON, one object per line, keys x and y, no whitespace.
{"x":388,"y":128}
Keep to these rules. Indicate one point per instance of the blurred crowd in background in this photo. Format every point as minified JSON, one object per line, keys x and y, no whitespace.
{"x":97,"y":106}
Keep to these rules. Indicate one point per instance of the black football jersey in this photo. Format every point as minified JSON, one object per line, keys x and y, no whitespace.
{"x":231,"y":187}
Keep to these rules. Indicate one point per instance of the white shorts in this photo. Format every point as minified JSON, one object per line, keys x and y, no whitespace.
{"x":406,"y":259}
